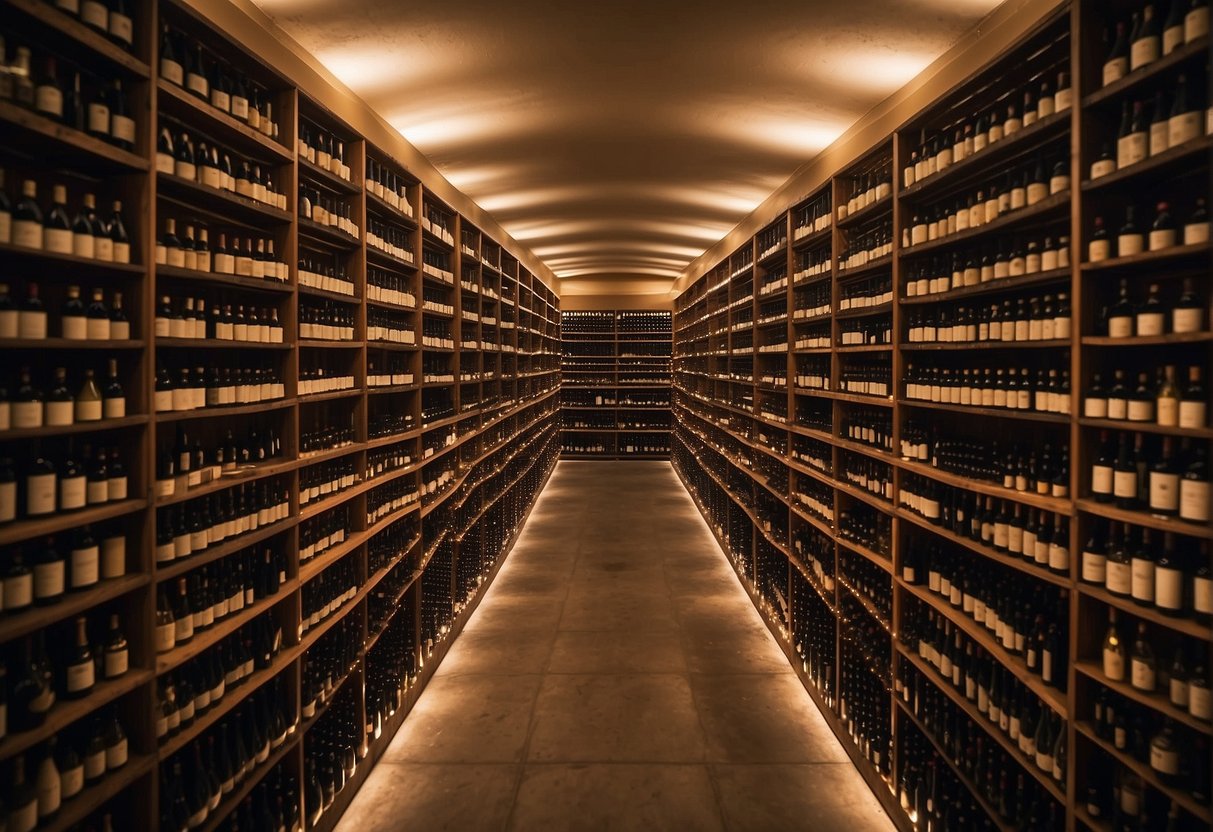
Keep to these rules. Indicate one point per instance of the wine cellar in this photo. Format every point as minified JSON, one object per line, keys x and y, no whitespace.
{"x":279,"y":400}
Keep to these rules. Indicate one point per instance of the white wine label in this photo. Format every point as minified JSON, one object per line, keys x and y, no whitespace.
{"x":98,"y":117}
{"x":59,"y":413}
{"x":85,"y":568}
{"x":1165,"y":761}
{"x":1113,"y":70}
{"x":1094,"y":567}
{"x":1168,"y":588}
{"x":1183,"y":128}
{"x":1129,"y":244}
{"x":1113,"y":665}
{"x":18,"y":591}
{"x":1194,"y":500}
{"x":95,"y":14}
{"x":1187,"y":320}
{"x":172,"y":71}
{"x":80,"y":676}
{"x":122,"y":128}
{"x":49,"y":579}
{"x":1163,"y":239}
{"x":1098,"y":250}
{"x":1144,"y":51}
{"x":39,"y":495}
{"x":49,"y":99}
{"x":57,"y":240}
{"x":121,"y":28}
{"x":71,"y":781}
{"x":27,"y":234}
{"x":1164,"y":491}
{"x":1119,"y":578}
{"x":1196,"y":24}
{"x":1200,"y":702}
{"x":73,"y":493}
{"x":116,"y":755}
{"x":1142,"y":676}
{"x":165,"y":637}
{"x":1102,"y":167}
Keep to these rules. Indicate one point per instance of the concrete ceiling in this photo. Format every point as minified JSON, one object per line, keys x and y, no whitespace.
{"x":618,"y":140}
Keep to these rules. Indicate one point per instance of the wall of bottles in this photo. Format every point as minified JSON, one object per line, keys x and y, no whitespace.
{"x":960,"y":459}
{"x":264,"y":433}
{"x":615,"y":384}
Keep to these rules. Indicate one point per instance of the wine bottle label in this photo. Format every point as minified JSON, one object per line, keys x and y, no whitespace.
{"x":165,"y":163}
{"x":1095,"y":408}
{"x":172,"y":71}
{"x":165,"y":637}
{"x":1159,"y":131}
{"x":49,"y":579}
{"x":1142,"y":676}
{"x":1129,"y":244}
{"x":1183,"y":128}
{"x":80,"y":677}
{"x":1200,"y":701}
{"x":1168,"y":412}
{"x":1132,"y":149}
{"x":1143,"y":51}
{"x":1098,"y":250}
{"x":1124,"y":484}
{"x":95,"y":14}
{"x":94,"y":765}
{"x":1140,"y":411}
{"x":113,"y":557}
{"x":27,"y":234}
{"x":1187,"y":320}
{"x":88,"y":410}
{"x":71,"y":780}
{"x":1164,"y":760}
{"x":197,"y":83}
{"x":1102,"y":167}
{"x":1119,"y":577}
{"x":1162,"y":239}
{"x":1142,"y":579}
{"x":1101,"y":479}
{"x":122,"y":252}
{"x":1094,"y":567}
{"x":59,"y":413}
{"x":57,"y":240}
{"x":97,"y":329}
{"x":85,"y":566}
{"x":1151,"y":323}
{"x":114,"y":408}
{"x":116,"y":755}
{"x":50,"y":794}
{"x":1063,"y":99}
{"x":1164,"y":492}
{"x":1196,"y":24}
{"x":1168,"y":588}
{"x":18,"y":591}
{"x":120,"y":28}
{"x":1194,"y":500}
{"x":116,"y":663}
{"x":49,"y":99}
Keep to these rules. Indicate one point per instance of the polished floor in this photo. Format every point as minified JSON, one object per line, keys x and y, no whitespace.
{"x":615,"y":677}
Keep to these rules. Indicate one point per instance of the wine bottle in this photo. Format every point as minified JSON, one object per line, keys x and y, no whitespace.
{"x":27,"y":218}
{"x":1114,"y":657}
{"x":79,"y":676}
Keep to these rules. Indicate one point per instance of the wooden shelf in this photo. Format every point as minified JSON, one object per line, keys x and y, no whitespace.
{"x":49,"y":140}
{"x":181,"y":104}
{"x":1053,"y":203}
{"x":221,"y":203}
{"x":1197,"y":50}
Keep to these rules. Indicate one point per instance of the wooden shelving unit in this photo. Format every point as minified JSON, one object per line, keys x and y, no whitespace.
{"x":406,"y":466}
{"x":797,"y":434}
{"x":615,"y":384}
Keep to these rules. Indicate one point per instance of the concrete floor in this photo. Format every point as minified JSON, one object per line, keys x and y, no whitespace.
{"x":615,"y":677}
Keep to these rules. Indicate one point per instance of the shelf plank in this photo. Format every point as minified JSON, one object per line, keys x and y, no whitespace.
{"x":51,"y":140}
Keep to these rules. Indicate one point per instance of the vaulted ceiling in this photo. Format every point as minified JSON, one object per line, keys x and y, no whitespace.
{"x":618,"y":140}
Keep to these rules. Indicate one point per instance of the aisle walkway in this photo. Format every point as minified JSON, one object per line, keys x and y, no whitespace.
{"x":615,"y":677}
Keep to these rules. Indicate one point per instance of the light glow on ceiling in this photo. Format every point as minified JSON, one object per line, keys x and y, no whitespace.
{"x":613,"y":149}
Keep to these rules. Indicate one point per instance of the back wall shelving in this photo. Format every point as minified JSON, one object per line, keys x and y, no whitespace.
{"x":615,"y":384}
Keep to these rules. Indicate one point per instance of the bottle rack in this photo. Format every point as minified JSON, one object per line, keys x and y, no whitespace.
{"x":823,"y":466}
{"x":386,"y":493}
{"x":615,"y":384}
